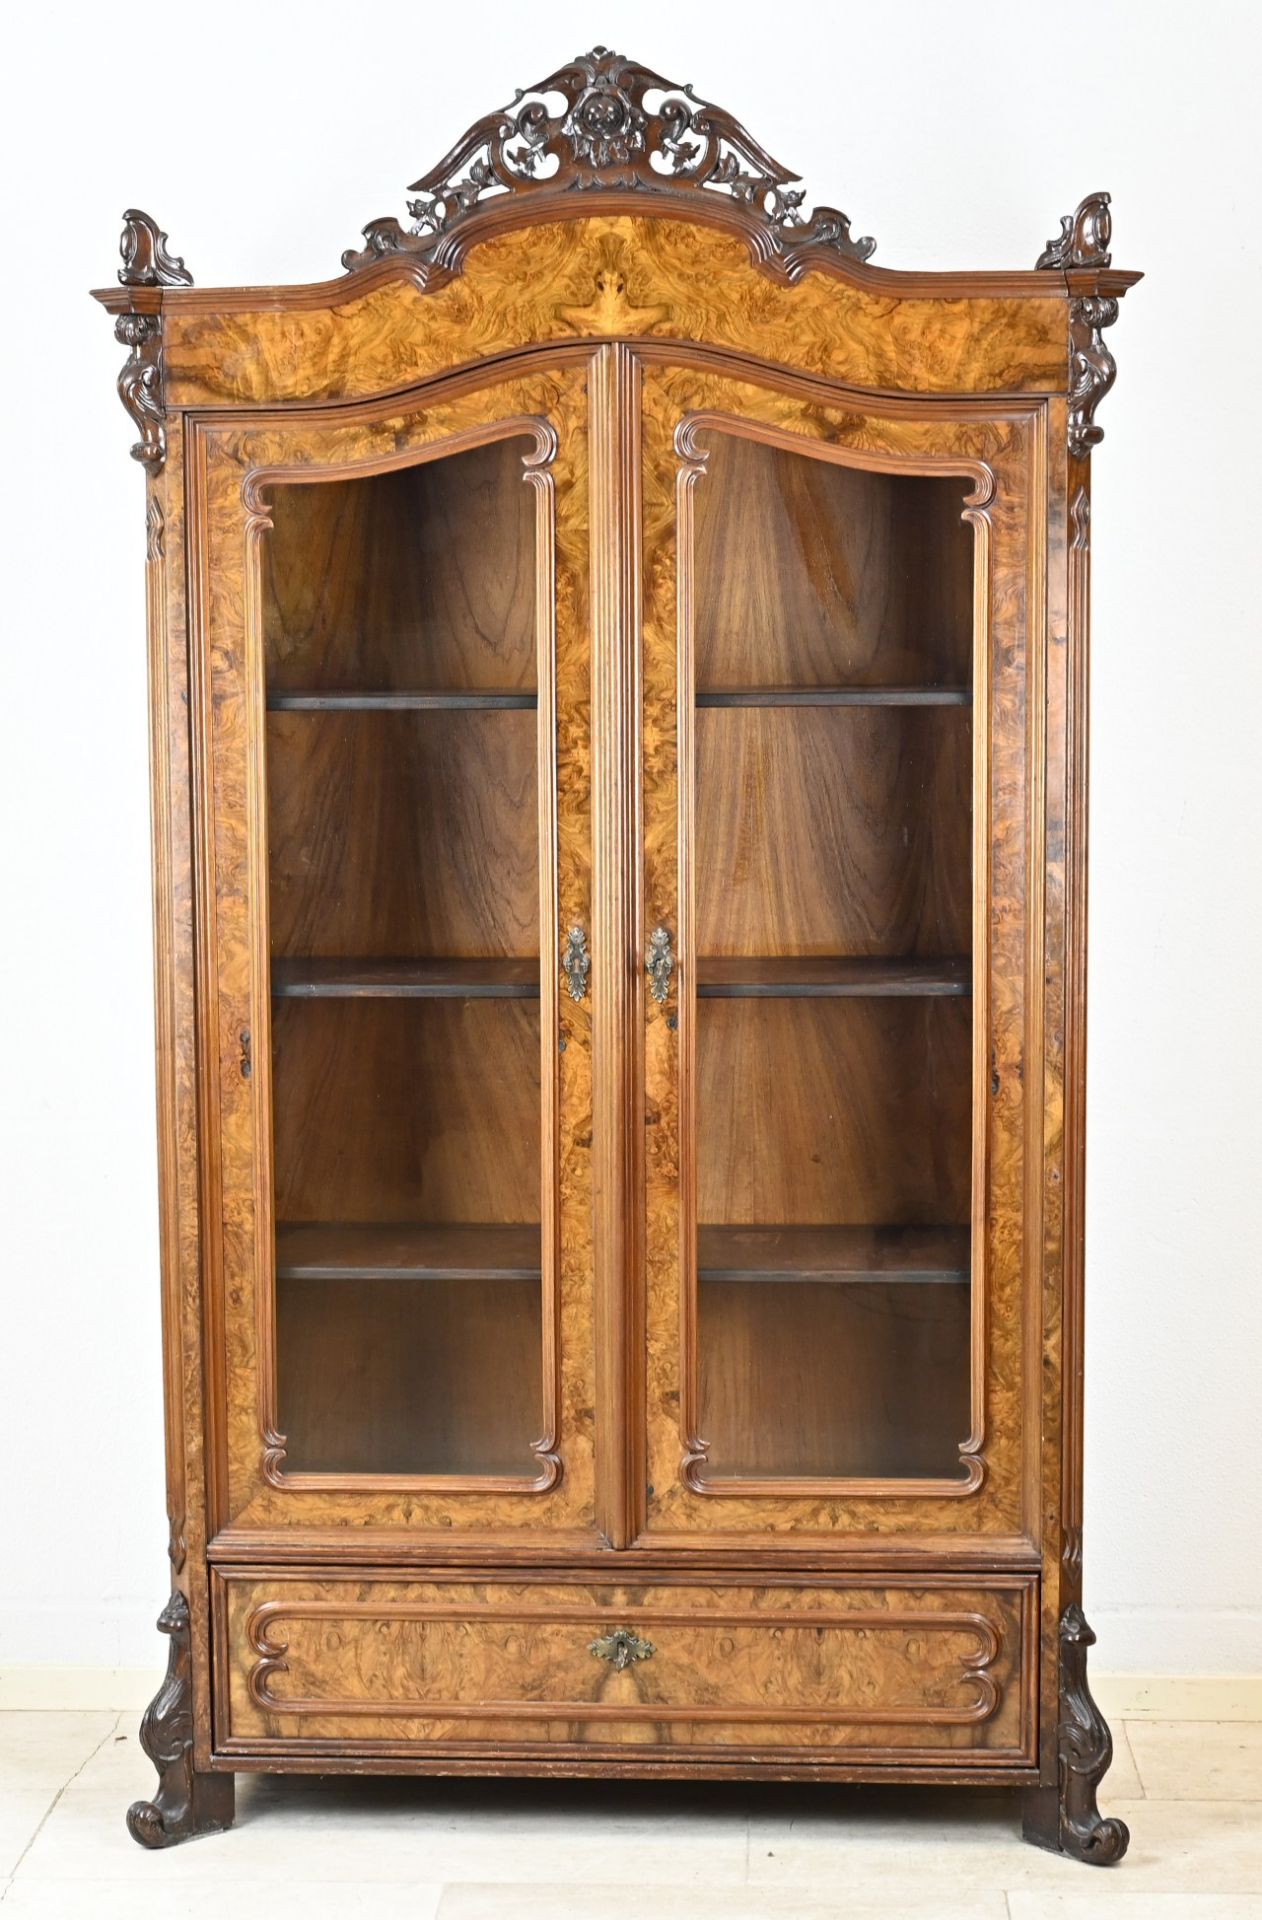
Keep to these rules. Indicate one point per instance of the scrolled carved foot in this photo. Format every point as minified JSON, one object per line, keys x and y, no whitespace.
{"x":1065,"y":1818}
{"x":187,"y":1802}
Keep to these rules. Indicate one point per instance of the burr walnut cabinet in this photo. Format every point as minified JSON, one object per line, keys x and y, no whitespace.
{"x":618,"y":669}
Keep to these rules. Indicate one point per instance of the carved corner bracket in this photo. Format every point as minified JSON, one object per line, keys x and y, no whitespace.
{"x":1065,"y":1818}
{"x":147,"y":265}
{"x":1083,"y":247}
{"x":603,"y":121}
{"x":186,"y":1803}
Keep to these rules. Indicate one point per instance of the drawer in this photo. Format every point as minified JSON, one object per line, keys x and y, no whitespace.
{"x":371,"y":1663}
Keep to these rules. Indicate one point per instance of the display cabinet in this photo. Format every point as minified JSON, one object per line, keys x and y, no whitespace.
{"x":618,"y":669}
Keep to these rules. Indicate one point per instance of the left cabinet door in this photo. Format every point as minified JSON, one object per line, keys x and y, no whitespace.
{"x":391,"y":660}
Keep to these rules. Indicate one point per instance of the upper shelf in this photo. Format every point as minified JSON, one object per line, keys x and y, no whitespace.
{"x":746,"y":977}
{"x":405,"y":1250}
{"x":372,"y":979}
{"x":824,"y":977}
{"x":390,"y":701}
{"x":834,"y":697}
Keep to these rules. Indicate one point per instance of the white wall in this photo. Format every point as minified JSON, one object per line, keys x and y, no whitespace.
{"x":263,"y":136}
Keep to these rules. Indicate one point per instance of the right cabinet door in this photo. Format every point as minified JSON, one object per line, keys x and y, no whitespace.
{"x":842,"y":621}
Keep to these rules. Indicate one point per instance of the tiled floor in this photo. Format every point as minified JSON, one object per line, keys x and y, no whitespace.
{"x":445,"y":1850}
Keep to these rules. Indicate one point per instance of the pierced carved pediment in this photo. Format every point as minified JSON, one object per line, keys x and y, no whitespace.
{"x":602,"y":121}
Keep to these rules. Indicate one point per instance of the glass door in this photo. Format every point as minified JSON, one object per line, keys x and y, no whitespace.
{"x":832,"y":821}
{"x":817,"y":1298}
{"x":404,"y":1066}
{"x":399,"y":621}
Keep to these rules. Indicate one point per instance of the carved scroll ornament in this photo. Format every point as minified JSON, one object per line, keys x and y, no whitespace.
{"x":604,"y":121}
{"x":186,"y":1803}
{"x":1085,"y":1751}
{"x":1084,"y":236}
{"x":1083,"y":245}
{"x":146,"y":264}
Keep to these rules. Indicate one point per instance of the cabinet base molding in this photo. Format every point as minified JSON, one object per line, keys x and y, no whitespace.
{"x":1065,"y":1818}
{"x":188,"y":1802}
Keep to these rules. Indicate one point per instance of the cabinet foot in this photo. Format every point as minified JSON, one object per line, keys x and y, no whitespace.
{"x":1065,"y":1818}
{"x":187,"y":1802}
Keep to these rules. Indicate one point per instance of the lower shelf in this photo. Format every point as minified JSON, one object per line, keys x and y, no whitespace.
{"x":937,"y":1672}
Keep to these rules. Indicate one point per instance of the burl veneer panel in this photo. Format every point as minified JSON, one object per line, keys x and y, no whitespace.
{"x":935,"y":1669}
{"x":596,"y":279}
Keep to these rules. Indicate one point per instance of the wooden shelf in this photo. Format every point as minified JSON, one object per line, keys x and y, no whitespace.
{"x":834,"y":697}
{"x":405,"y":1250}
{"x":903,"y":1254}
{"x":336,"y":979}
{"x":398,"y":702}
{"x":789,"y":979}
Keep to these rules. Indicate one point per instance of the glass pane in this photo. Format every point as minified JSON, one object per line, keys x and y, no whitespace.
{"x":833,"y":900}
{"x":404,"y":911}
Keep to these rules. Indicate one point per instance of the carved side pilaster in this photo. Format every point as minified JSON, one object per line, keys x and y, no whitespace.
{"x":1083,"y":247}
{"x":147,"y":265}
{"x":140,"y":384}
{"x":187,"y":1803}
{"x":1065,"y":1818}
{"x":1092,"y":369}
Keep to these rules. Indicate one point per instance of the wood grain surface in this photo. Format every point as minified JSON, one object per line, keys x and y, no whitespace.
{"x":920,"y":1670}
{"x":602,"y":277}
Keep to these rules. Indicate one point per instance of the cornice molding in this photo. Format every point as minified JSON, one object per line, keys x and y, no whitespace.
{"x":604,"y":122}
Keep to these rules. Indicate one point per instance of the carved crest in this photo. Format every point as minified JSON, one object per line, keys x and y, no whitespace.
{"x":604,"y":121}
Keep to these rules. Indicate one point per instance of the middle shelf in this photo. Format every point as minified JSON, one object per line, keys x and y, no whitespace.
{"x":746,"y":977}
{"x":410,"y":1250}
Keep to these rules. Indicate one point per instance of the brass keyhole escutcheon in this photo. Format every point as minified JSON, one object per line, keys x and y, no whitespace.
{"x":620,"y":1648}
{"x":659,"y":963}
{"x":576,"y":963}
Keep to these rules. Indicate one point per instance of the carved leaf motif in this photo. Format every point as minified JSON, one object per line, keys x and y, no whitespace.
{"x":1085,"y":1748}
{"x":1092,"y":369}
{"x":604,"y":121}
{"x":140,"y":383}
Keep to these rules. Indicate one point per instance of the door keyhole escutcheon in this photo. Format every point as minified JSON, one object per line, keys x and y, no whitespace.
{"x":659,"y":963}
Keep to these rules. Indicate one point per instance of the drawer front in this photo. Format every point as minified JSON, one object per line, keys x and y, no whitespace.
{"x":372,"y":1664}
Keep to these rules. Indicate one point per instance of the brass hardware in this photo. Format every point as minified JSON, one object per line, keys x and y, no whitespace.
{"x":659,"y":963}
{"x":576,"y":963}
{"x":245,"y":1061}
{"x":620,"y":1648}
